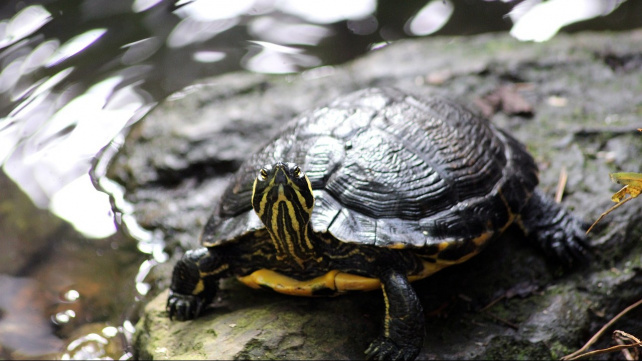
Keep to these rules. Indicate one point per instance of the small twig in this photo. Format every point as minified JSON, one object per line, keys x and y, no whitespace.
{"x":607,"y":212}
{"x":585,"y":131}
{"x":504,"y":321}
{"x":598,"y":352}
{"x":574,"y":355}
{"x":561,"y":185}
{"x":492,"y":303}
{"x":620,"y":337}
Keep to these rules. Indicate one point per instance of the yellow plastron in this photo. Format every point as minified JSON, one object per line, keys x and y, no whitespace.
{"x":332,"y":283}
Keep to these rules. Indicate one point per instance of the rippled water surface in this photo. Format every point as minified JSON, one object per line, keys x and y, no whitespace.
{"x":74,"y":74}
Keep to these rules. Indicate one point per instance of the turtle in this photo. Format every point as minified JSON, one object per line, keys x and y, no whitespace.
{"x":375,"y":190}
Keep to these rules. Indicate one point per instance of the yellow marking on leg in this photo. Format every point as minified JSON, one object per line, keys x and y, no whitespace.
{"x":386,"y":320}
{"x":213,"y":272}
{"x":200,"y":286}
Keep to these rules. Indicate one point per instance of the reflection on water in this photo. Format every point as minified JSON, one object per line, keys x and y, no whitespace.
{"x":430,"y":18}
{"x":75,"y":73}
{"x":23,"y":329}
{"x":529,"y":14}
{"x":55,"y":285}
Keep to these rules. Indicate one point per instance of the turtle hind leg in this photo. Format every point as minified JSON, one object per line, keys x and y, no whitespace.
{"x":194,"y":283}
{"x":403,"y":328}
{"x":555,"y":229}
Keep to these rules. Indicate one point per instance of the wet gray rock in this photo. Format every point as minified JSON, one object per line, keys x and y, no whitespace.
{"x":585,"y":96}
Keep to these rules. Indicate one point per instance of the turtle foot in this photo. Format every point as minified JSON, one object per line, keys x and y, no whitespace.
{"x":384,"y":348}
{"x":569,"y":242}
{"x":184,"y":307}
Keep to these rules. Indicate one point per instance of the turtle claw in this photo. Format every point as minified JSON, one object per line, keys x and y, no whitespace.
{"x":568,"y":242}
{"x":384,"y":348}
{"x":184,"y":307}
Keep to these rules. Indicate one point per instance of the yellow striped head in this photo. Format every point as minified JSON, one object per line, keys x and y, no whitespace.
{"x":282,"y":197}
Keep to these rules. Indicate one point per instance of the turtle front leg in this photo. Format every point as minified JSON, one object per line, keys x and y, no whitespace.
{"x":194,"y":283}
{"x":403,"y":326}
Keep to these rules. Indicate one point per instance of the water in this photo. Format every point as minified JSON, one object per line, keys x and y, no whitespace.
{"x":76,"y":73}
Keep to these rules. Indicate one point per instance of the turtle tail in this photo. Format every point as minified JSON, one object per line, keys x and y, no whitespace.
{"x":559,"y":232}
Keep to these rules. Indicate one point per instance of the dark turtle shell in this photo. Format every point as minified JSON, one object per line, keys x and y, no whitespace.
{"x":392,"y":170}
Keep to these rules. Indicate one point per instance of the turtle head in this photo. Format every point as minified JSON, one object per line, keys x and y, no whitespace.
{"x":282,"y":197}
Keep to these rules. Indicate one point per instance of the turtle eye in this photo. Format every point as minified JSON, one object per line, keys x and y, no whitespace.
{"x":263,"y":174}
{"x":297,"y":172}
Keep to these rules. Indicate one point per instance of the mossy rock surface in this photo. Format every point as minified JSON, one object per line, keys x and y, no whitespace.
{"x":583,"y":94}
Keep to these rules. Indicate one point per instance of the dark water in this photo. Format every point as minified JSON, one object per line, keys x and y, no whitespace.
{"x":76,"y":73}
